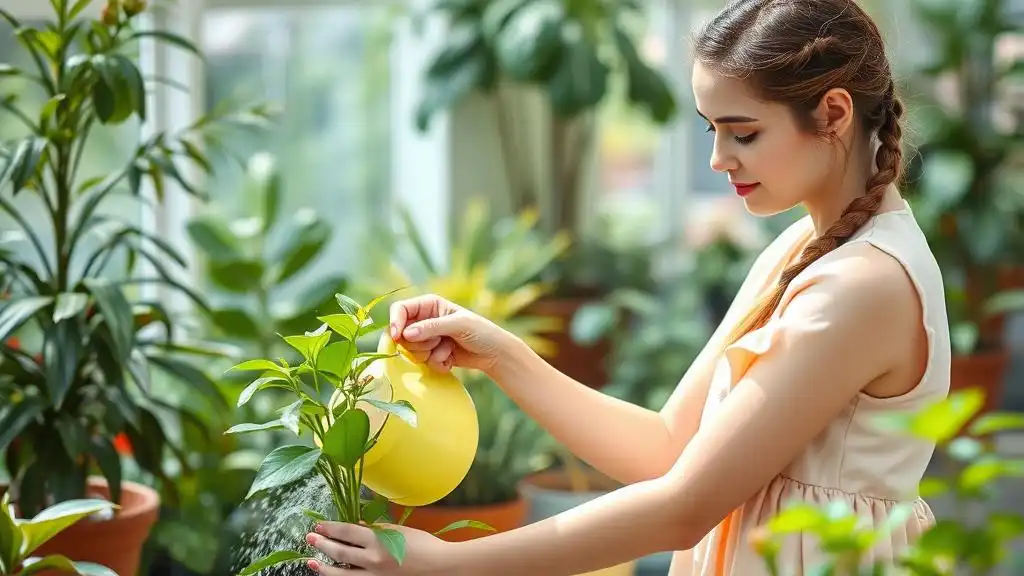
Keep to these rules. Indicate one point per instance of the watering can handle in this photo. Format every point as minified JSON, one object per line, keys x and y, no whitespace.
{"x":389,"y":346}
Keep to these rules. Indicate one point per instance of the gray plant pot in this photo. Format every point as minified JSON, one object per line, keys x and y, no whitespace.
{"x":548,"y":494}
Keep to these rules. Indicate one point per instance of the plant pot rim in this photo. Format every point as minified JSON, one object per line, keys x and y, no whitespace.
{"x":146,"y":500}
{"x":556,"y":482}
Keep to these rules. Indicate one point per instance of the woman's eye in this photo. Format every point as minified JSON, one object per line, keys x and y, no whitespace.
{"x":710,"y":128}
{"x":746,"y":139}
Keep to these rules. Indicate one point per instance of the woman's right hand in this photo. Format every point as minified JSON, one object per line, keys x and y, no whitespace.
{"x":444,"y":335}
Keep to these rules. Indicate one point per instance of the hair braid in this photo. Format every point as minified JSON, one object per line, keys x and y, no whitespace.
{"x":889,"y":161}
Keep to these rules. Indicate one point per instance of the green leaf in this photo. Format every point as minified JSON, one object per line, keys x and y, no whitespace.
{"x":188,"y":374}
{"x":116,"y":312}
{"x":375,"y":509}
{"x":347,"y":304}
{"x":56,"y":562}
{"x":57,"y":518}
{"x":10,"y":536}
{"x":365,"y":311}
{"x":18,"y":311}
{"x":496,"y":15}
{"x":258,"y":365}
{"x":402,"y":408}
{"x":24,"y":165}
{"x":646,"y":88}
{"x":459,"y":524}
{"x":473,"y":72}
{"x":214,"y":237}
{"x":345,"y":441}
{"x":305,"y":241}
{"x":313,"y":514}
{"x":112,"y":93}
{"x":405,"y":515}
{"x":263,"y":180}
{"x":61,"y":353}
{"x":69,"y":305}
{"x":284,"y":466}
{"x":994,"y":422}
{"x":345,"y":325}
{"x":249,"y":427}
{"x":310,"y":344}
{"x":337,"y":358}
{"x":109,"y":462}
{"x":238,"y":276}
{"x":14,"y":417}
{"x":290,"y":416}
{"x":529,"y":42}
{"x":170,"y":38}
{"x":273,"y":559}
{"x":261,"y":384}
{"x":983,"y":472}
{"x":796,"y":518}
{"x":236,"y":323}
{"x":392,"y":540}
{"x":580,"y":80}
{"x":941,"y":421}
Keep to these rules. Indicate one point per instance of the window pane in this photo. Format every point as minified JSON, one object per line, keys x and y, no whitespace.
{"x":108,"y":149}
{"x":327,"y":69}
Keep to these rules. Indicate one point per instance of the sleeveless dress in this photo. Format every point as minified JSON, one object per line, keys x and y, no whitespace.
{"x":850,"y":461}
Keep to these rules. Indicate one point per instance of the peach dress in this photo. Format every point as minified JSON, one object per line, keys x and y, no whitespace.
{"x":849,"y":461}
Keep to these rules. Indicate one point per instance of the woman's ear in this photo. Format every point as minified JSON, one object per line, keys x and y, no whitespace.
{"x":834,"y":113}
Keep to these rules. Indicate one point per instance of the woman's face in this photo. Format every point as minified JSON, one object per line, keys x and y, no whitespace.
{"x":773,"y":164}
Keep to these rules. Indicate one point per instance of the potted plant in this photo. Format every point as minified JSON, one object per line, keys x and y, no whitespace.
{"x":77,"y":344}
{"x":574,"y":56}
{"x":332,"y":388}
{"x":977,"y":543}
{"x":251,"y":265}
{"x":962,"y":187}
{"x":21,"y":537}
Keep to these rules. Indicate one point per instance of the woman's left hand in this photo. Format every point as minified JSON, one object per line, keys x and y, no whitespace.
{"x":358,"y":547}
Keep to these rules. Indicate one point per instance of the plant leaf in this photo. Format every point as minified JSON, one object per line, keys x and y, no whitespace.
{"x":57,"y":518}
{"x":284,"y":466}
{"x":16,"y":416}
{"x":309,"y":344}
{"x":290,"y":416}
{"x":261,"y":384}
{"x":305,"y":241}
{"x":61,"y":353}
{"x":459,"y":524}
{"x":65,"y":565}
{"x":345,"y":441}
{"x":392,"y":540}
{"x":337,"y":358}
{"x":18,"y":311}
{"x":273,"y":559}
{"x":249,"y":427}
{"x":345,"y":325}
{"x":69,"y":305}
{"x":116,"y":312}
{"x":402,"y":408}
{"x":258,"y":365}
{"x":10,"y":536}
{"x":191,"y":375}
{"x":109,"y":462}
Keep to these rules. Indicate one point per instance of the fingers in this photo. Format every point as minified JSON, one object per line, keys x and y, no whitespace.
{"x":452,"y":325}
{"x":341,"y":553}
{"x":346,"y":532}
{"x":442,"y":357}
{"x":403,"y":312}
{"x":421,"y":350}
{"x":321,"y":568}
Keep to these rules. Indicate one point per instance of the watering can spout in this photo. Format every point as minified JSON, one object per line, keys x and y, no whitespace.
{"x":421,"y":464}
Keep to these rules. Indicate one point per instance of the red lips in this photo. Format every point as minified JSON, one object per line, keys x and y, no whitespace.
{"x":745,"y":189}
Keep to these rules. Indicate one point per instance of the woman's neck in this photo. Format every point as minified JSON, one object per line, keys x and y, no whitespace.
{"x":828,"y":206}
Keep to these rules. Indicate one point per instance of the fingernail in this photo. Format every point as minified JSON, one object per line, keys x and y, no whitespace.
{"x":394,"y":332}
{"x":313,"y":565}
{"x":412,"y":331}
{"x":311,"y":539}
{"x":319,"y":528}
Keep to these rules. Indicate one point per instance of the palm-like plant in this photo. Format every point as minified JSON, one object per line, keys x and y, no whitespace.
{"x":81,"y":373}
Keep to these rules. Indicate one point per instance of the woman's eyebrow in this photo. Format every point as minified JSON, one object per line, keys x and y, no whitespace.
{"x":730,"y":119}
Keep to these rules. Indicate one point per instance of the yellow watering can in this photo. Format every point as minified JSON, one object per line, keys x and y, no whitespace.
{"x":416,"y":466}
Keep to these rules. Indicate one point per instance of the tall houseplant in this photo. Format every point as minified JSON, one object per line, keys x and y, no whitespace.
{"x":965,"y":186}
{"x":77,"y":344}
{"x":577,"y":56}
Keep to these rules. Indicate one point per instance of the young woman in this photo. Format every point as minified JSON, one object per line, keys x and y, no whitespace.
{"x":842,"y":318}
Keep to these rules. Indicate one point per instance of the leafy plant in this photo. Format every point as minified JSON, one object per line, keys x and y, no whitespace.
{"x":20,"y":537}
{"x":571,"y":50}
{"x":965,"y":187}
{"x":80,"y":372}
{"x":340,"y":427}
{"x":950,"y":544}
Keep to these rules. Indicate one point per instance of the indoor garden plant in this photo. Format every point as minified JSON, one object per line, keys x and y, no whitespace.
{"x":331,"y":388}
{"x":78,"y":343}
{"x":964,"y":185}
{"x":574,"y":57}
{"x":21,"y":537}
{"x":966,"y":543}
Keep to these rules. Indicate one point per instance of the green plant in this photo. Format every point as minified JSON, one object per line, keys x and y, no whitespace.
{"x":951,"y":544}
{"x":571,"y":50}
{"x":20,"y":537}
{"x":340,"y":427}
{"x":965,"y":187}
{"x":79,"y":371}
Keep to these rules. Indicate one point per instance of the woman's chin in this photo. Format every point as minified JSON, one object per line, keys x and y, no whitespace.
{"x":763,"y":206}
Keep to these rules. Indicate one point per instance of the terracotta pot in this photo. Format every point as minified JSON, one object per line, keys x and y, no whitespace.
{"x":502,"y":517}
{"x":585,"y":364}
{"x":983,"y":370}
{"x":115,"y":543}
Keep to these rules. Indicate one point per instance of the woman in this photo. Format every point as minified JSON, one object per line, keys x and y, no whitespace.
{"x":842,"y":318}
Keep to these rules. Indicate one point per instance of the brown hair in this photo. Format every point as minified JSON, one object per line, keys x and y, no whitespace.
{"x":792,"y":52}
